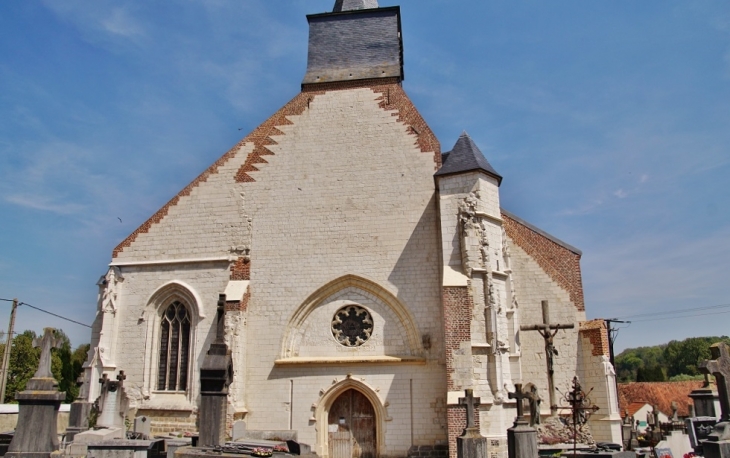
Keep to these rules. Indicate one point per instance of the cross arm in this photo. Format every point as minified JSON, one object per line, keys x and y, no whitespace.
{"x":543,"y":327}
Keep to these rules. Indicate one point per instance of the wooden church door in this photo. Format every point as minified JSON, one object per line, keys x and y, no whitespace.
{"x":351,"y":424}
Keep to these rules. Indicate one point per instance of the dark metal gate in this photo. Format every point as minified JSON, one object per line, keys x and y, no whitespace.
{"x":351,"y":424}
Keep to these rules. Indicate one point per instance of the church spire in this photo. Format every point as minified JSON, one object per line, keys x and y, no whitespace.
{"x":466,"y":157}
{"x":347,"y":5}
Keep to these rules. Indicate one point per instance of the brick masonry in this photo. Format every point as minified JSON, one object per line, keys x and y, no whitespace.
{"x":561,"y":264}
{"x":597,"y":334}
{"x":456,"y":418}
{"x":458,"y":305}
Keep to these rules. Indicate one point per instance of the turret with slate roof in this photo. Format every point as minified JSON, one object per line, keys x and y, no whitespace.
{"x":465,"y":156}
{"x":356,"y":41}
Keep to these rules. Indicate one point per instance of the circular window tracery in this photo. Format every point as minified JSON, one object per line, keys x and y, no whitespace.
{"x":352,"y":325}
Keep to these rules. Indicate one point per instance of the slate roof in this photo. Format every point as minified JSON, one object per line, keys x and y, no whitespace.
{"x":354,"y":44}
{"x":660,"y":394}
{"x":347,"y":5}
{"x":465,"y":156}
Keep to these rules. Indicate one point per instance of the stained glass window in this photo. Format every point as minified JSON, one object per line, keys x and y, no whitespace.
{"x":174,"y":348}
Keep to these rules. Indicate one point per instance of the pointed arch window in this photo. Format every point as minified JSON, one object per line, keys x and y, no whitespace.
{"x":174,"y":348}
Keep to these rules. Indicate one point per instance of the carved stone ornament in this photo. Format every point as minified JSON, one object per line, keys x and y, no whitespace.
{"x":352,"y":326}
{"x":108,"y":290}
{"x":474,"y":241}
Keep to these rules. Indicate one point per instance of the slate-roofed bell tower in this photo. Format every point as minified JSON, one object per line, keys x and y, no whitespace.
{"x":356,"y":41}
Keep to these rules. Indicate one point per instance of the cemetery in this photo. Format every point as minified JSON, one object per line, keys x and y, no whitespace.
{"x":103,"y":430}
{"x":337,"y":286}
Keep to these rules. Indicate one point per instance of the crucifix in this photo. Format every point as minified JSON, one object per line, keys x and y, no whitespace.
{"x":46,"y":343}
{"x":471,"y":403}
{"x":519,"y":395}
{"x":548,"y":331}
{"x":720,"y":368}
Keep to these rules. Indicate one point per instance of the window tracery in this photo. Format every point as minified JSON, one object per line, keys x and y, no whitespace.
{"x":174,"y":348}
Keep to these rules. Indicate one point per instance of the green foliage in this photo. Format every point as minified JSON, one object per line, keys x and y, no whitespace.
{"x":685,"y":377}
{"x":651,"y":374}
{"x":674,"y":360}
{"x":65,"y":365}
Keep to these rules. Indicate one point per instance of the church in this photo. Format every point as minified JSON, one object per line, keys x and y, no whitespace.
{"x":370,"y":275}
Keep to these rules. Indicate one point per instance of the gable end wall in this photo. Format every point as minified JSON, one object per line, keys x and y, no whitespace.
{"x":561,"y":264}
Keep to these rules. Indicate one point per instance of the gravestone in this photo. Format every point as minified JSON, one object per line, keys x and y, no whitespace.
{"x":239,"y":429}
{"x":113,"y":402}
{"x":521,"y":437}
{"x":36,"y":434}
{"x":471,"y":444}
{"x":548,"y":332}
{"x":142,"y":427}
{"x":78,"y":420}
{"x":717,"y":444}
{"x":216,"y":374}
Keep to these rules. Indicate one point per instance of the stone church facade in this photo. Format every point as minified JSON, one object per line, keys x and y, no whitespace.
{"x":369,"y":278}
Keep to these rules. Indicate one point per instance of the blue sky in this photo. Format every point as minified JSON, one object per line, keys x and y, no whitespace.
{"x":610,"y":122}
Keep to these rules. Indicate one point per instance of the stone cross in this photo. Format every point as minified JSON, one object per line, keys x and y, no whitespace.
{"x":220,"y":334}
{"x":46,"y":343}
{"x":548,"y":332}
{"x":720,"y":368}
{"x":471,"y":403}
{"x":519,"y":395}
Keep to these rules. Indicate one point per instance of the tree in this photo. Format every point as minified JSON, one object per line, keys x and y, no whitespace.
{"x":65,"y":365}
{"x":23,"y":364}
{"x":684,"y":357}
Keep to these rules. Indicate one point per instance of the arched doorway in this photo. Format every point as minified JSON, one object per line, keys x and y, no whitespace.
{"x":351,"y":426}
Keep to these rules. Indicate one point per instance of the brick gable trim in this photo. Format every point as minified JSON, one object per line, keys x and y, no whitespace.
{"x":392,"y":98}
{"x":561,"y":263}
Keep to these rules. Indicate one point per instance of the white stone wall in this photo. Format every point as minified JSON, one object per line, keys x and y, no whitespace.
{"x":138,"y":327}
{"x":598,"y":376}
{"x":347,"y":192}
{"x":532,"y":286}
{"x":204,"y":224}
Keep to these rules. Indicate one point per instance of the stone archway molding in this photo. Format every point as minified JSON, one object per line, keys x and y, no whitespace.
{"x":350,"y":280}
{"x":173,"y":290}
{"x":321,"y":413}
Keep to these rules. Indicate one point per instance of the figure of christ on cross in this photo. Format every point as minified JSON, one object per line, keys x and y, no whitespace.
{"x":548,"y":332}
{"x":720,"y":368}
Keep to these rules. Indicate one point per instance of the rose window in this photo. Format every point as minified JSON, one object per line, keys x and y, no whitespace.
{"x":352,"y":326}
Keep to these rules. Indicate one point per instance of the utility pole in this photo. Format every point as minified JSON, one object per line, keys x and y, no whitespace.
{"x":6,"y":355}
{"x":612,"y":333}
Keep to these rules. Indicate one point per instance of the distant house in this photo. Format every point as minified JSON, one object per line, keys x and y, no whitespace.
{"x":638,"y":398}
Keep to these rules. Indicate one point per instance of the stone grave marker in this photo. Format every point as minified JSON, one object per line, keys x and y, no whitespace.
{"x":717,"y":444}
{"x":78,"y":420}
{"x":521,"y":437}
{"x":216,"y":374}
{"x":36,"y":434}
{"x":471,"y":444}
{"x":142,"y":427}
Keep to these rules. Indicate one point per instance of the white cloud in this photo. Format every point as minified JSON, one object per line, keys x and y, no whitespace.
{"x":620,"y":193}
{"x":98,"y":21}
{"x":121,"y":23}
{"x":44,"y":203}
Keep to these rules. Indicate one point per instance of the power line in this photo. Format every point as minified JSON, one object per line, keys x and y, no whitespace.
{"x":684,"y":316}
{"x":57,"y":316}
{"x":687,"y":310}
{"x":6,"y":300}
